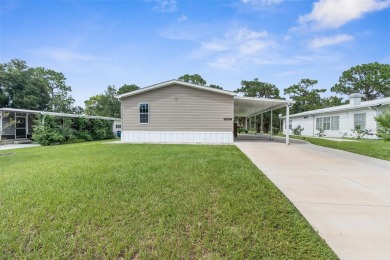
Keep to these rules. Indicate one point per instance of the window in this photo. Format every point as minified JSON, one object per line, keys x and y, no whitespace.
{"x":118,"y":126}
{"x":359,"y":120}
{"x":144,"y":113}
{"x":327,"y":123}
{"x":334,"y":123}
{"x":290,"y":124}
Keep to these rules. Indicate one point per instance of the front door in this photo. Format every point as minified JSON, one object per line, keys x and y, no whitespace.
{"x":20,"y":127}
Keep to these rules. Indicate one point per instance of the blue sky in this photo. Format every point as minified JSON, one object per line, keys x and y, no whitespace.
{"x":101,"y":43}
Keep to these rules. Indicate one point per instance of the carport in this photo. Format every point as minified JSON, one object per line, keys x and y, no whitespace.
{"x":251,"y":107}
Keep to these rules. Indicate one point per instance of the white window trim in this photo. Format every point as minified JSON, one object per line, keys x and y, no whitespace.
{"x":320,"y":121}
{"x":139,"y":113}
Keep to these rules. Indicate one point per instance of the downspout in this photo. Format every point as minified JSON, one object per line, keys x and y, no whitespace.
{"x":287,"y":125}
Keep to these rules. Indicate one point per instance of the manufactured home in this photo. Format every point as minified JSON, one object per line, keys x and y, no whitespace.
{"x":180,"y":112}
{"x":340,"y":121}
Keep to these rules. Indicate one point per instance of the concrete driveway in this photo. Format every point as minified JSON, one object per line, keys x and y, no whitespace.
{"x":344,"y":196}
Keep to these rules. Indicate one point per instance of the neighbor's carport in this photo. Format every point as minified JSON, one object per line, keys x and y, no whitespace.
{"x":251,"y":107}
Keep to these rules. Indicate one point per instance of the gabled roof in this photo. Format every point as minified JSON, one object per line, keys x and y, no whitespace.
{"x":55,"y":113}
{"x":175,"y":82}
{"x":364,"y":104}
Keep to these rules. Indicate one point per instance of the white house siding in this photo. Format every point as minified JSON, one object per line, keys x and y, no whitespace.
{"x":346,"y":122}
{"x":179,"y":114}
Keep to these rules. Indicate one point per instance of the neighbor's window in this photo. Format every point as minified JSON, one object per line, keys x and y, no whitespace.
{"x":290,"y":124}
{"x":359,"y":120}
{"x":144,"y":113}
{"x":335,"y":122}
{"x":327,"y":123}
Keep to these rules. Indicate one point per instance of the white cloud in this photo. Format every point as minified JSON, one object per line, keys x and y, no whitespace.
{"x":262,"y":2}
{"x":331,"y":14}
{"x":182,"y":18}
{"x":320,"y":42}
{"x":165,"y":6}
{"x":237,"y":47}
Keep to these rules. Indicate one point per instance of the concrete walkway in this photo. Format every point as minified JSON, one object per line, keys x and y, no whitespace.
{"x":16,"y":146}
{"x":344,"y":196}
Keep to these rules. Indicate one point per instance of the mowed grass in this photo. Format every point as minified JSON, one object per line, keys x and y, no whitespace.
{"x":373,"y":148}
{"x":95,"y":200}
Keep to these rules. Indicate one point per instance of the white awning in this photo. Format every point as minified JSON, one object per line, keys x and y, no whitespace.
{"x":250,"y":106}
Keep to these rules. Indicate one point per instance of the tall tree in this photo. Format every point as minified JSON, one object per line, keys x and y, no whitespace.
{"x":194,"y":79}
{"x":372,"y":80}
{"x":60,"y":100}
{"x":104,"y":104}
{"x":127,"y":88}
{"x":33,"y":88}
{"x":305,"y":96}
{"x":331,"y":101}
{"x":107,"y":104}
{"x":256,"y":88}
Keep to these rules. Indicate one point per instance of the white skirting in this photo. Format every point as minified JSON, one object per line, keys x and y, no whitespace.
{"x":177,"y":137}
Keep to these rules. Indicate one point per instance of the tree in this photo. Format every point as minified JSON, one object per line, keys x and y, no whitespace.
{"x":194,"y":79}
{"x":104,"y":104}
{"x":256,"y":88}
{"x":332,"y":101}
{"x":305,"y":98}
{"x":384,"y":123}
{"x":215,"y":86}
{"x":372,"y":80}
{"x":107,"y":104}
{"x":127,"y":88}
{"x":33,"y":88}
{"x":60,"y":100}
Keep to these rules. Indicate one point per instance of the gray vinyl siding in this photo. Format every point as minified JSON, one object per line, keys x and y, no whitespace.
{"x":179,"y":108}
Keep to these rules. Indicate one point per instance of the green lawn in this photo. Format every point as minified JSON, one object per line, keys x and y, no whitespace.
{"x":94,"y":200}
{"x":374,"y":148}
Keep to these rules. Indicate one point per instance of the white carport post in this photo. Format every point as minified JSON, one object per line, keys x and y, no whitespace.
{"x":261,"y":123}
{"x":271,"y":127}
{"x":287,"y":124}
{"x":246,"y":123}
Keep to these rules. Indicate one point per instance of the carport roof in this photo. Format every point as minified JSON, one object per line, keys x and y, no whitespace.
{"x":250,"y":106}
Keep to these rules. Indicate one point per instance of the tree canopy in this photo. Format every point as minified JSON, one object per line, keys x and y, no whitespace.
{"x":107,"y":104}
{"x":256,"y":88}
{"x":372,"y":80}
{"x":33,"y":88}
{"x":304,"y":94}
{"x":194,"y":79}
{"x":127,"y":88}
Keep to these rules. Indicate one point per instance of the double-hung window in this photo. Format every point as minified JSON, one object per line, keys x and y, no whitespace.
{"x":143,"y":113}
{"x":327,"y":123}
{"x":359,"y":121}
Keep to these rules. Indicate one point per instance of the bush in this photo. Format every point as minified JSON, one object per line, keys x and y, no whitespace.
{"x":384,"y":123}
{"x":49,"y":130}
{"x":298,"y":130}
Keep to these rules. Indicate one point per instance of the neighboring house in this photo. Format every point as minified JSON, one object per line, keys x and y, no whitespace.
{"x":180,"y":112}
{"x":340,"y":121}
{"x":23,"y":119}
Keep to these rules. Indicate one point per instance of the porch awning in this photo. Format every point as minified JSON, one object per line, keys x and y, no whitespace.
{"x":250,"y":106}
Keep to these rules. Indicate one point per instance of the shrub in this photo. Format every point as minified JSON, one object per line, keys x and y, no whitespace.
{"x":384,"y":123}
{"x":298,"y":130}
